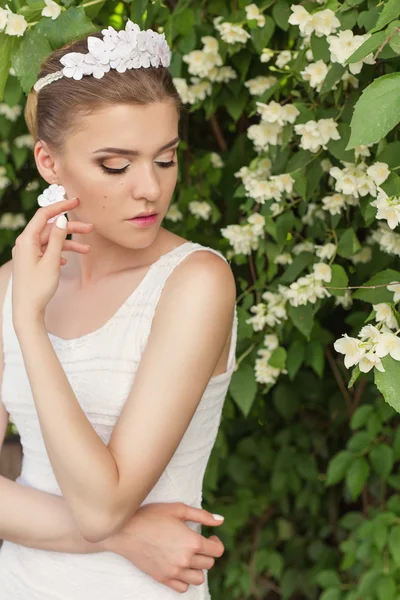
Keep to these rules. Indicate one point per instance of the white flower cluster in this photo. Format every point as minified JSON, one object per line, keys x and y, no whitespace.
{"x":315,"y":74}
{"x":253,"y":14}
{"x":202,"y":210}
{"x":274,"y":117}
{"x":359,"y":180}
{"x":174,"y":214}
{"x":310,"y":288}
{"x":230,"y":32}
{"x":130,"y":48}
{"x":12,"y":221}
{"x":316,"y":134}
{"x":264,"y":372}
{"x":388,"y":240}
{"x":24,"y":141}
{"x":283,"y":259}
{"x":322,"y":23}
{"x":363,"y":257}
{"x":373,"y":344}
{"x":32,"y":186}
{"x":342,"y":45}
{"x":205,"y":65}
{"x":10,"y":113}
{"x":260,"y":84}
{"x":11,"y":23}
{"x":270,"y":189}
{"x":326,"y":251}
{"x":313,"y":211}
{"x":245,"y":238}
{"x":4,"y":180}
{"x":284,"y":58}
{"x":272,"y":313}
{"x":388,"y":208}
{"x":52,"y":9}
{"x":216,"y":160}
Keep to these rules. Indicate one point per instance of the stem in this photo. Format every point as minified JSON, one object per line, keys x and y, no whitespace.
{"x":218,"y":133}
{"x":345,"y":392}
{"x":361,"y":287}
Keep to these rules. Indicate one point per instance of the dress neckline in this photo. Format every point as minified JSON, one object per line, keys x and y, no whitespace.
{"x":57,"y":340}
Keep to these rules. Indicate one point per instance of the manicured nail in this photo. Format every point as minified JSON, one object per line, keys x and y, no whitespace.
{"x":61,"y":221}
{"x":218,"y":517}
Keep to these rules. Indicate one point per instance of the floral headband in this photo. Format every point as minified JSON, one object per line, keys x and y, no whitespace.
{"x":130,"y":48}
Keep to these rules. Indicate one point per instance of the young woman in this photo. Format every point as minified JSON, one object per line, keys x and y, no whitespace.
{"x":118,"y":345}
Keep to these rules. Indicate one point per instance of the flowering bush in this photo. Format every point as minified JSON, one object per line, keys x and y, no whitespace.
{"x":289,"y":160}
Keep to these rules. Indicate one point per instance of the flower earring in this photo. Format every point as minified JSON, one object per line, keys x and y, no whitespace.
{"x":54,"y":193}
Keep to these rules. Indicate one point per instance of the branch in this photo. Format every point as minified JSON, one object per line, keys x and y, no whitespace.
{"x":218,"y":133}
{"x":345,"y":392}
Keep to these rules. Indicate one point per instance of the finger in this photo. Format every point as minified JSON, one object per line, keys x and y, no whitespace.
{"x":56,"y":241}
{"x":72,"y":227}
{"x":199,"y":515}
{"x":192,"y":576}
{"x":211,"y":546}
{"x":178,"y":586}
{"x":43,"y":214}
{"x":201,"y":562}
{"x":72,"y":246}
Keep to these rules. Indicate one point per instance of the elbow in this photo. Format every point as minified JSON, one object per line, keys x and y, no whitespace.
{"x":98,"y":529}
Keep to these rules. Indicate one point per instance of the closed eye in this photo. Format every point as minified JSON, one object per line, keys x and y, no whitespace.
{"x":163,"y":165}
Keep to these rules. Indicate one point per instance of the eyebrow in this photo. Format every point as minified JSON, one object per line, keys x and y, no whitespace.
{"x":122,"y":151}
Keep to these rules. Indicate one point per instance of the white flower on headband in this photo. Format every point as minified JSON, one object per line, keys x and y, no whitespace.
{"x":130,"y":48}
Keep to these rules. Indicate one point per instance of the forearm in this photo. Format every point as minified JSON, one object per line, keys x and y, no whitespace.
{"x":86,"y":473}
{"x":40,"y":520}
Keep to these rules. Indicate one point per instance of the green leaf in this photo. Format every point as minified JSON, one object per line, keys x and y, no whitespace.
{"x":360,"y":416}
{"x":138,"y":10}
{"x":235,"y":104}
{"x":300,"y":184}
{"x":356,"y":476}
{"x":303,"y":318}
{"x":390,"y":11}
{"x":338,"y":466}
{"x":354,"y":376}
{"x":293,"y":271}
{"x":70,"y":25}
{"x":386,"y":588}
{"x":376,"y":40}
{"x":320,"y":48}
{"x":315,"y":357}
{"x":278,"y":358}
{"x":243,"y":388}
{"x":284,"y":224}
{"x":348,"y":244}
{"x":339,"y":279}
{"x":388,"y":382}
{"x":262,"y":35}
{"x":378,"y":105}
{"x":338,"y":147}
{"x":380,"y":294}
{"x":281,"y":13}
{"x":394,"y":544}
{"x":382,"y":459}
{"x":285,"y":400}
{"x":331,"y":594}
{"x":295,"y":357}
{"x":6,"y":43}
{"x":328,"y":578}
{"x":34,"y":48}
{"x":334,"y":75}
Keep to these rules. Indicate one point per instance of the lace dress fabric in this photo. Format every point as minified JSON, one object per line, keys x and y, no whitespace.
{"x":101,"y":367}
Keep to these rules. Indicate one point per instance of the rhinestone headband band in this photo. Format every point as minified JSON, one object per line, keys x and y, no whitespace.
{"x":130,"y":48}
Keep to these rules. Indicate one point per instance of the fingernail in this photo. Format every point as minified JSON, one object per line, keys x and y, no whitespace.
{"x":218,"y":517}
{"x":61,"y":221}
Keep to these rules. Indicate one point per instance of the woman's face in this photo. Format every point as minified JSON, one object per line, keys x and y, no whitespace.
{"x":116,"y":164}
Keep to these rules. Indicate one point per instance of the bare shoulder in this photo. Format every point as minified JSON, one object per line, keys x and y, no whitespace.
{"x":205,"y":273}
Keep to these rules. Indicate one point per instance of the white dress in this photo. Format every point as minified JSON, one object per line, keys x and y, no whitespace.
{"x":101,"y":367}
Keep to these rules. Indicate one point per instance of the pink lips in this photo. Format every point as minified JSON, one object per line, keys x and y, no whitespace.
{"x":144,"y":221}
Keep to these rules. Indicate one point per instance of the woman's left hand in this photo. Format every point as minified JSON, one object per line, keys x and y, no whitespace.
{"x":37,"y":260}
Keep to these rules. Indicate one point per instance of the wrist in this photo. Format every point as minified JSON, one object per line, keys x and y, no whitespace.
{"x":28,"y":323}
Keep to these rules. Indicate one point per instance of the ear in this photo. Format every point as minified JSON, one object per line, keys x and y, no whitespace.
{"x":45,"y":159}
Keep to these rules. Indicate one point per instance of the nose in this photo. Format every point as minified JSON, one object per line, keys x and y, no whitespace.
{"x":146,"y":184}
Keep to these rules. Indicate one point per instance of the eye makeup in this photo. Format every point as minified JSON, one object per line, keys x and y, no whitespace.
{"x":108,"y":170}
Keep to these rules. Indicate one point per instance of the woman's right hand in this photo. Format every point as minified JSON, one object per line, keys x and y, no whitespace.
{"x":158,"y":542}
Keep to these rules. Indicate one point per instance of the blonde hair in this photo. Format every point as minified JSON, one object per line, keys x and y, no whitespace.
{"x":54,"y":112}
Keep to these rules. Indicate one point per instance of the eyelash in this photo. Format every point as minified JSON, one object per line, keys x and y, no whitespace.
{"x":166,"y":165}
